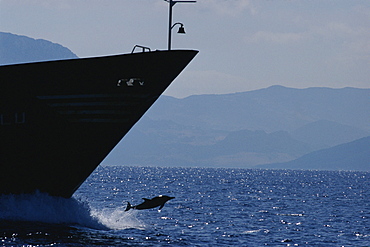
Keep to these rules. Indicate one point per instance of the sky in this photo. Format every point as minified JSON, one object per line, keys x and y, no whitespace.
{"x":244,"y":44}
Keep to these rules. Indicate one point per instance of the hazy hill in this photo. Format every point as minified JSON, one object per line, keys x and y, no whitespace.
{"x":349,"y":156}
{"x":271,"y":125}
{"x":270,"y":109}
{"x":169,"y":144}
{"x":22,"y":49}
{"x":324,"y":133}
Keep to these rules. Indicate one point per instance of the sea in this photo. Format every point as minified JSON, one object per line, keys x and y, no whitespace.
{"x":212,"y":207}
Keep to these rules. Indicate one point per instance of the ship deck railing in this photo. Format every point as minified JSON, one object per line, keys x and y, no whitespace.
{"x":144,"y":48}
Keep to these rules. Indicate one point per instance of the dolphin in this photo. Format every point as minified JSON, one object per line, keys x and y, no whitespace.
{"x":150,"y":203}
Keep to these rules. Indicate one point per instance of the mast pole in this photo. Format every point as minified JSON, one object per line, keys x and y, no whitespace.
{"x":171,"y":4}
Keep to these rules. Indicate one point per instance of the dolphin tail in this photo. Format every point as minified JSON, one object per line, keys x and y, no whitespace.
{"x":128,"y":206}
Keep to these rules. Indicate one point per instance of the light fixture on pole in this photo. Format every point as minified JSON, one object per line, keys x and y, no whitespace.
{"x":170,"y":26}
{"x":181,"y":28}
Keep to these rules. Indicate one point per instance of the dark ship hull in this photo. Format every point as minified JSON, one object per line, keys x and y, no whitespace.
{"x":60,"y":119}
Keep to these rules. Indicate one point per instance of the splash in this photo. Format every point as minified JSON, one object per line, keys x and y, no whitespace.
{"x":118,"y":219}
{"x":43,"y":208}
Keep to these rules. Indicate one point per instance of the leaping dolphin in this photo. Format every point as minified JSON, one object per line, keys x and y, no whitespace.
{"x":150,"y":203}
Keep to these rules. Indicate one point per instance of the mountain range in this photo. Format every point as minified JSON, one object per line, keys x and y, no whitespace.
{"x":275,"y":127}
{"x":270,"y":109}
{"x":237,"y":130}
{"x":354,"y":155}
{"x":22,"y":49}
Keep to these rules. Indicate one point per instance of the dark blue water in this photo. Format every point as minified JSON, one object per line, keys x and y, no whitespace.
{"x":213,"y":207}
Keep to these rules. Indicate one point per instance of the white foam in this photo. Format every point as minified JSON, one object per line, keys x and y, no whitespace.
{"x":41,"y":207}
{"x":256,"y":231}
{"x":117,"y":218}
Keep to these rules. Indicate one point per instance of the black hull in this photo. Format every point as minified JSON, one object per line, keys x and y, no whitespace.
{"x":59,"y":119}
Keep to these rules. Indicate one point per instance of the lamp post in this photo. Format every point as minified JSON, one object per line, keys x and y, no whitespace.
{"x":170,"y":26}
